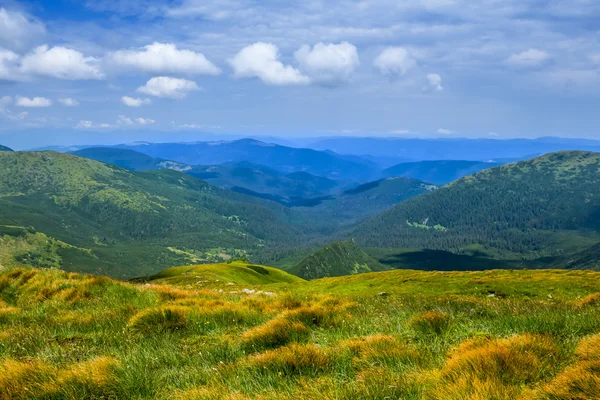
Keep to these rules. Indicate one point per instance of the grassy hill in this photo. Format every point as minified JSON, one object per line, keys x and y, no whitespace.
{"x":548,"y":206}
{"x":392,"y":335}
{"x":4,"y":148}
{"x":587,"y":259}
{"x":127,"y":223}
{"x":235,"y":272}
{"x":337,"y":259}
{"x":438,"y":172}
{"x":128,"y":159}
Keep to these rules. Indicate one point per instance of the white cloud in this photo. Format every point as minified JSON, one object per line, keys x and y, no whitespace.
{"x":164,"y":86}
{"x":5,"y":101}
{"x":84,"y":124}
{"x":443,"y":131}
{"x":394,"y":61}
{"x":595,"y":58}
{"x":328,"y":63}
{"x":261,"y":60}
{"x":400,"y":132}
{"x":164,"y":58}
{"x":134,"y":102}
{"x":434,"y":82}
{"x":35,"y":102}
{"x":61,"y":63}
{"x":123,"y":120}
{"x":8,"y":62}
{"x":17,"y":30}
{"x":145,"y":121}
{"x":529,"y":58}
{"x":68,"y":102}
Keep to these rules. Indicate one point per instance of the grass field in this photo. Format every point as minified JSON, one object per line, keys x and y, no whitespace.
{"x":388,"y":335}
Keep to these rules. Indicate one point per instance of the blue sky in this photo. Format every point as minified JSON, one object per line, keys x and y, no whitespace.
{"x":92,"y":71}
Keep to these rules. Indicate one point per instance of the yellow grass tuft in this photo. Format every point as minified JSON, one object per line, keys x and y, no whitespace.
{"x":91,"y":379}
{"x":160,"y":319}
{"x":590,"y":300}
{"x":18,"y":380}
{"x":494,"y":369}
{"x":430,"y":322}
{"x":209,"y":393}
{"x":589,"y":348}
{"x":378,"y":349}
{"x":294,"y":359}
{"x":275,"y":333}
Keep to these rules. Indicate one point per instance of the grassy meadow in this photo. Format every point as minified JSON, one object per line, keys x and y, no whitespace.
{"x":221,"y":332}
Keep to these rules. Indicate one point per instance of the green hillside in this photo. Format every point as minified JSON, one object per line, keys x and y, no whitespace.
{"x":438,"y":172}
{"x":354,"y":205}
{"x":128,"y":159}
{"x":587,"y":259}
{"x":337,"y":259}
{"x":236,"y":272}
{"x":548,"y":206}
{"x":127,"y":223}
{"x":4,"y":148}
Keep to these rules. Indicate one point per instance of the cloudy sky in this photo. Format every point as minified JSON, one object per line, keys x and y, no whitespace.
{"x":82,"y":71}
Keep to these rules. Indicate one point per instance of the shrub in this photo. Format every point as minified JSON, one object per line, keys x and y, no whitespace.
{"x":275,"y":333}
{"x":430,"y":322}
{"x":160,"y":319}
{"x":294,"y":359}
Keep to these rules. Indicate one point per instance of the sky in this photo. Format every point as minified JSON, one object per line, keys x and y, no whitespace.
{"x":104,"y":71}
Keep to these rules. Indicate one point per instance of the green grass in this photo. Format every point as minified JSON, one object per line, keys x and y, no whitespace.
{"x":395,"y":334}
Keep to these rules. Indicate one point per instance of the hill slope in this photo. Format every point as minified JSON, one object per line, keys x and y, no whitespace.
{"x":4,"y":148}
{"x":131,"y":223}
{"x":281,"y":158}
{"x":438,"y":172}
{"x":336,"y":259}
{"x":546,"y":206}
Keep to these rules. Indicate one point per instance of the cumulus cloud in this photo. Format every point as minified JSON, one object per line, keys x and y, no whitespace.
{"x":145,"y":121}
{"x":18,"y":30}
{"x":434,"y":82}
{"x":164,"y":86}
{"x":85,"y":124}
{"x":61,"y":63}
{"x":8,"y":60}
{"x":164,"y":58}
{"x":328,"y":63}
{"x":261,"y":60}
{"x":123,"y":120}
{"x":134,"y":102}
{"x":34,"y":102}
{"x":529,"y":58}
{"x":394,"y":61}
{"x":68,"y":102}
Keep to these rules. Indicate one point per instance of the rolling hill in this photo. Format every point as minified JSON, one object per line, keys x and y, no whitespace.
{"x":336,"y":259}
{"x":4,"y":148}
{"x":280,"y":158}
{"x":235,"y":272}
{"x":438,"y":172}
{"x":548,"y":206}
{"x":125,"y":223}
{"x":128,"y":159}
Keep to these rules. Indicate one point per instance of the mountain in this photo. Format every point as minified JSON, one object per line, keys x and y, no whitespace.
{"x":280,"y":158}
{"x":356,"y":204}
{"x":450,"y":149}
{"x":4,"y":148}
{"x":123,"y":223}
{"x":438,"y":172}
{"x":243,"y":177}
{"x":336,"y":259}
{"x":548,"y":206}
{"x":259,"y":180}
{"x":128,"y":159}
{"x":587,"y":259}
